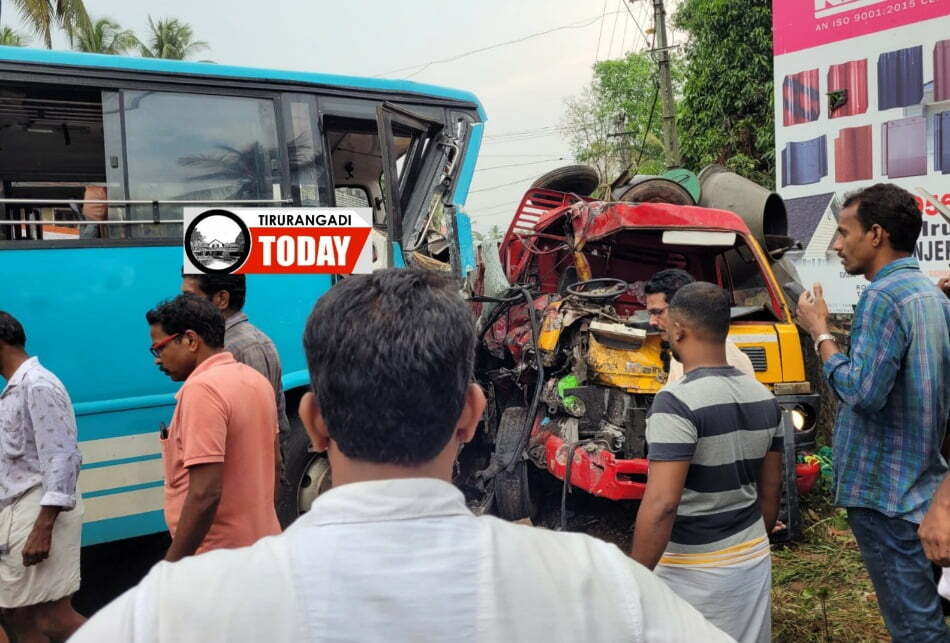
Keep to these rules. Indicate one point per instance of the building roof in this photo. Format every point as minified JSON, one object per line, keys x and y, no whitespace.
{"x":804,"y":213}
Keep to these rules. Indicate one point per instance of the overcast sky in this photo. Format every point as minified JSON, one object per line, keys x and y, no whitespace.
{"x":522,"y":85}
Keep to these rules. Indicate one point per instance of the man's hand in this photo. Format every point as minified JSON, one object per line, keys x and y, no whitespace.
{"x":40,"y":540}
{"x":944,"y":285}
{"x":813,"y":312}
{"x":934,"y":531}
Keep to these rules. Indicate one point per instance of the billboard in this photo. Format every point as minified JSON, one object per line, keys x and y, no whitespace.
{"x":862,"y":95}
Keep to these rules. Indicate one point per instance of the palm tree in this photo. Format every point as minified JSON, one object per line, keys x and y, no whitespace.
{"x":41,"y":15}
{"x":104,"y":36}
{"x":12,"y":38}
{"x":171,"y":38}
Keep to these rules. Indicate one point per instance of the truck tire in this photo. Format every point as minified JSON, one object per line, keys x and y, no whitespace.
{"x":581,"y":180}
{"x":306,"y":475}
{"x":512,"y":492}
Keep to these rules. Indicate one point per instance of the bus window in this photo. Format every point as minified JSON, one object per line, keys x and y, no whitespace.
{"x":352,"y":197}
{"x":191,"y":147}
{"x":52,"y":141}
{"x":309,"y":182}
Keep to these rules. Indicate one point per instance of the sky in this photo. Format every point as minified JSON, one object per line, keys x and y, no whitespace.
{"x":522,"y":86}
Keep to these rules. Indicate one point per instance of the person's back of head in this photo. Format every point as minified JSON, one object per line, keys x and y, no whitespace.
{"x":700,"y":315}
{"x":227,"y":292}
{"x":11,"y":331}
{"x":391,"y":357}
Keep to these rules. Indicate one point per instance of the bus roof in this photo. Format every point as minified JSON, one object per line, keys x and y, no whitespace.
{"x":189,"y":68}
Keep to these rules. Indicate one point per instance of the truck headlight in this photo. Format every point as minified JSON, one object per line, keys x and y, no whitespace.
{"x":798,"y":419}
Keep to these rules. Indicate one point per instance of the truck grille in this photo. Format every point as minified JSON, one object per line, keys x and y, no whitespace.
{"x":756,"y":355}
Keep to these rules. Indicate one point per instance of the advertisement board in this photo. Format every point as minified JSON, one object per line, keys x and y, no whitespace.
{"x":862,"y":96}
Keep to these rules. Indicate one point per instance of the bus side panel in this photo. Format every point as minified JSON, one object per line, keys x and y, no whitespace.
{"x":83,"y":310}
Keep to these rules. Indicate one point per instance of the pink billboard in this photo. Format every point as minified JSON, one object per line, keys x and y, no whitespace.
{"x":802,"y":24}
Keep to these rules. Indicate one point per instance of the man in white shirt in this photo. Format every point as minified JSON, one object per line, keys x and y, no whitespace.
{"x":392,"y":552}
{"x":40,"y":508}
{"x":659,"y":293}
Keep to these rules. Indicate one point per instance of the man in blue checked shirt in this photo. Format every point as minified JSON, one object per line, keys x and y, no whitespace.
{"x":894,"y":389}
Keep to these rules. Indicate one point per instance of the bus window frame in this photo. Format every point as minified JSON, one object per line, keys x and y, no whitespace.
{"x":231,"y":92}
{"x":330,"y":100}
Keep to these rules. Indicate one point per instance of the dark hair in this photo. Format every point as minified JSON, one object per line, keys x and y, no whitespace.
{"x":235,"y":285}
{"x":189,"y":312}
{"x":390,"y":357}
{"x":705,"y":307}
{"x":668,"y":282}
{"x":11,"y":332}
{"x":891,"y":207}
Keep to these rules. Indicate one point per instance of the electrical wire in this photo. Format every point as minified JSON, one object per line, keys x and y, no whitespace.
{"x":600,"y":34}
{"x":642,"y":32}
{"x":503,"y":185}
{"x":498,"y":167}
{"x":572,"y":25}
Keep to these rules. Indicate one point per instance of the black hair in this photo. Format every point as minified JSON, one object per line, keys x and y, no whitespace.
{"x":235,"y":285}
{"x":11,"y":332}
{"x":667,"y":282}
{"x":705,"y":307}
{"x":391,"y":356}
{"x":189,"y":312}
{"x":891,"y":207}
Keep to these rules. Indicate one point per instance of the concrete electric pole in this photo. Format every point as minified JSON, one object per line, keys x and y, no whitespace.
{"x":661,"y":54}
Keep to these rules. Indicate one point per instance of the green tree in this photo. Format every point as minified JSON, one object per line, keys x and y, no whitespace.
{"x":104,"y":36}
{"x":42,"y":15}
{"x":726,"y":113}
{"x":171,"y":38}
{"x":615,"y":122}
{"x":11,"y":38}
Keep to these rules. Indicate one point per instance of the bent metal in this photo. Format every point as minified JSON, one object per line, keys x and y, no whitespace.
{"x":304,"y":220}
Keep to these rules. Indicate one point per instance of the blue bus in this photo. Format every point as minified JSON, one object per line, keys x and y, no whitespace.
{"x":98,"y":157}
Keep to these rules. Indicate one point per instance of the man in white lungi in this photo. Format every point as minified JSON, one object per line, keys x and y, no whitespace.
{"x":715,"y":445}
{"x":40,"y":510}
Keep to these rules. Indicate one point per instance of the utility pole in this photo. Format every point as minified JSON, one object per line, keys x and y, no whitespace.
{"x":671,"y":146}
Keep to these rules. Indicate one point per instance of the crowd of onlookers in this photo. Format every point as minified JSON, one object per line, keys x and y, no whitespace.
{"x":392,"y":551}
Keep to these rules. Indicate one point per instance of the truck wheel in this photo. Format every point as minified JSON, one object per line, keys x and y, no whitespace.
{"x":582,"y":180}
{"x":306,"y":475}
{"x":512,"y":493}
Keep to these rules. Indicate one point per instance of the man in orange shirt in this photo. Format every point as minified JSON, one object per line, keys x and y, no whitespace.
{"x":219,"y":451}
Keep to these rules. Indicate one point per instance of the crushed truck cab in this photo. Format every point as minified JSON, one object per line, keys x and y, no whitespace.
{"x":569,"y":360}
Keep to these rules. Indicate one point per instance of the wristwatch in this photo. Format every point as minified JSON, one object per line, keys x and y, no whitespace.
{"x":821,"y":338}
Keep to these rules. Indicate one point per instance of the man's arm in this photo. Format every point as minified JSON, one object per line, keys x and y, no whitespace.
{"x":770,"y":488}
{"x":54,"y":432}
{"x":197,"y":514}
{"x":38,"y":543}
{"x":864,"y":380}
{"x":657,"y":511}
{"x":934,"y":531}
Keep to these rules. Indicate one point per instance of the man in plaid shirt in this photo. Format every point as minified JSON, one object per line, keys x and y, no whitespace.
{"x":895,"y":393}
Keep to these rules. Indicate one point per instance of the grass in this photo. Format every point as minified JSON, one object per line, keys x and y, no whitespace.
{"x":820,"y":588}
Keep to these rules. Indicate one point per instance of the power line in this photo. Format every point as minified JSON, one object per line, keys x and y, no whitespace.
{"x":642,"y":32}
{"x":504,"y":185}
{"x":610,"y":48}
{"x":498,"y":167}
{"x":600,"y":34}
{"x":573,"y":25}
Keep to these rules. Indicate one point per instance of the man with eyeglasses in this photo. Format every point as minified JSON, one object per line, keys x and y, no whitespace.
{"x":659,"y":293}
{"x":220,"y":449}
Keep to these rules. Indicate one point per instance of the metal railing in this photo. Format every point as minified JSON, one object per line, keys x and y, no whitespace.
{"x":156,"y":204}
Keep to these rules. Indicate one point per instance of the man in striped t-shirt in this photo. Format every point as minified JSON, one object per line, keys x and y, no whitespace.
{"x":714,"y":444}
